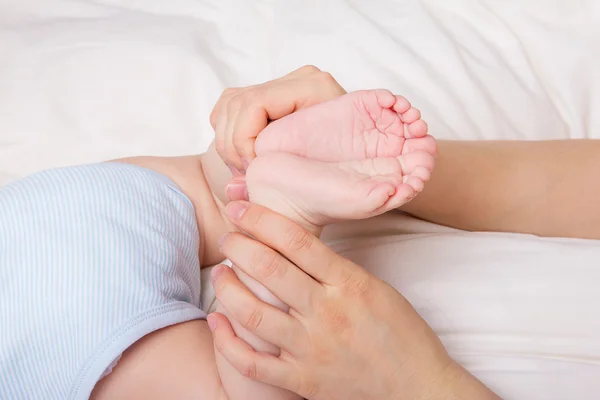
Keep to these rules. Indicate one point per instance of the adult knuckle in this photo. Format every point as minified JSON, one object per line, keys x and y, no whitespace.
{"x":254,"y":319}
{"x":297,"y":239}
{"x":331,"y":87}
{"x":326,"y":77}
{"x":234,"y":103}
{"x":254,"y":107}
{"x":309,"y":68}
{"x":267,"y":263}
{"x":358,"y":285}
{"x":248,"y":369}
{"x":252,"y":98}
{"x":225,"y":98}
{"x":347,"y":273}
{"x":228,"y":92}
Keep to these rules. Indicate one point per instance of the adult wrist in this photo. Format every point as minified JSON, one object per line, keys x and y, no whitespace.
{"x":458,"y":383}
{"x":423,"y":376}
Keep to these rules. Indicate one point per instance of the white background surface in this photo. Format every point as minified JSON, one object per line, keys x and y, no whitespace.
{"x":84,"y":81}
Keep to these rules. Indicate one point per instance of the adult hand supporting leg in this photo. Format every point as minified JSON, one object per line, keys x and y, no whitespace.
{"x":348,"y":335}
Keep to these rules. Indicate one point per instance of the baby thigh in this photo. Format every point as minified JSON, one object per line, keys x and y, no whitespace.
{"x":176,"y":362}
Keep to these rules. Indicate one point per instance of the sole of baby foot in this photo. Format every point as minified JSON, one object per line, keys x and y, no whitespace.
{"x":316,"y":193}
{"x":359,"y":125}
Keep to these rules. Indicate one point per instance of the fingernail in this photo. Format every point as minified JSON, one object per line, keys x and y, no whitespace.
{"x":212,"y":322}
{"x":236,"y":190}
{"x":216,"y":272}
{"x":236,"y":209}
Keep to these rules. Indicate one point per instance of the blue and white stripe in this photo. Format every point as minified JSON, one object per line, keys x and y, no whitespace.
{"x":92,"y":258}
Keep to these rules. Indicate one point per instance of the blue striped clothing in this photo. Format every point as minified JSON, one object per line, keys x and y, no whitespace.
{"x":92,"y":258}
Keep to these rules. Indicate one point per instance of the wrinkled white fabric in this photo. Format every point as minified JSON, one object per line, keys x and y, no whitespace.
{"x":84,"y":81}
{"x":518,"y":311}
{"x":90,"y":80}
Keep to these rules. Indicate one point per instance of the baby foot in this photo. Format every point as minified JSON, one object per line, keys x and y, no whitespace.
{"x":317,"y":193}
{"x":362,"y":125}
{"x":356,"y":126}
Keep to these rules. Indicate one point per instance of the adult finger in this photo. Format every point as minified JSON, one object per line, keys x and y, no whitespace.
{"x":265,"y":321}
{"x":281,"y":98}
{"x":269,"y":102}
{"x":255,"y":365}
{"x":252,"y":118}
{"x":220,"y":126}
{"x":223,"y":119}
{"x":221,"y":102}
{"x":234,"y":109}
{"x":300,"y":89}
{"x":287,"y":282}
{"x":292,"y":241}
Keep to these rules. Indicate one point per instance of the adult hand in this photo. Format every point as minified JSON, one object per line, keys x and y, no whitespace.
{"x":241,"y":113}
{"x":348,"y":335}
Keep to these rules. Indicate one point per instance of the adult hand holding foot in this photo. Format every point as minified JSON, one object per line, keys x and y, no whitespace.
{"x":241,"y":114}
{"x":348,"y":335}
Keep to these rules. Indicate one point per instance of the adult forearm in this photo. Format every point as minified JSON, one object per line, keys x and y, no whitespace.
{"x":547,"y":188}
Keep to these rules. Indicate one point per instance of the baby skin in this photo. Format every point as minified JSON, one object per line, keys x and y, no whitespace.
{"x":354,"y":157}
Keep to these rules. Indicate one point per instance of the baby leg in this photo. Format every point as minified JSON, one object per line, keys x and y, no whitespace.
{"x":236,"y":385}
{"x":314,"y":194}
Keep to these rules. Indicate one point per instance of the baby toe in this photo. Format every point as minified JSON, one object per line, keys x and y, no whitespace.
{"x":422,"y":173}
{"x":404,"y":193}
{"x":385,"y":98}
{"x":427,"y":144}
{"x":401,"y":105}
{"x":415,"y":183}
{"x":378,"y":194}
{"x":410,"y":116}
{"x":417,"y":129}
{"x":415,"y":159}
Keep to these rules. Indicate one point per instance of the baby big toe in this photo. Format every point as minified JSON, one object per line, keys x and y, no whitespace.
{"x":409,"y":162}
{"x":426,"y":144}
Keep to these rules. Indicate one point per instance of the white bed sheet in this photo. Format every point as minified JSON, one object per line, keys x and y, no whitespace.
{"x":84,"y":81}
